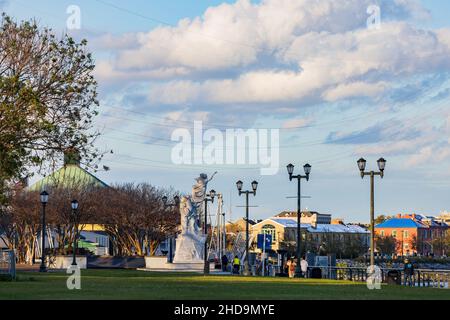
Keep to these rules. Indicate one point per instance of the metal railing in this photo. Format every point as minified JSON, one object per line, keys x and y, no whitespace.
{"x":432,"y":278}
{"x":420,"y":278}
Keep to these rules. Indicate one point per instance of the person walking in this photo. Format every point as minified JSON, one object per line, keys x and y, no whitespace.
{"x":270,"y":270}
{"x":236,"y":265}
{"x":304,"y":267}
{"x":291,"y":264}
{"x":224,"y":263}
{"x":408,"y":270}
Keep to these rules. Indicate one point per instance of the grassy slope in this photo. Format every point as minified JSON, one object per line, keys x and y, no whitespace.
{"x":122,"y":284}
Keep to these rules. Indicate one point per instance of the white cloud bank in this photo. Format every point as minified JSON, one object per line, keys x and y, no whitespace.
{"x":285,"y":53}
{"x":280,"y":51}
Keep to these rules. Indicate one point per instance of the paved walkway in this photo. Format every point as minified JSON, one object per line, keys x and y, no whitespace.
{"x":213,"y":272}
{"x":27,"y":267}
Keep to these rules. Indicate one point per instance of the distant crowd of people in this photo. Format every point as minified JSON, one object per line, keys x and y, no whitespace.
{"x":265,"y":267}
{"x":290,"y":268}
{"x":235,"y":266}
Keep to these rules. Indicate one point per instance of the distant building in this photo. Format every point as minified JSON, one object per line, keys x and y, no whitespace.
{"x":311,"y":217}
{"x":317,"y":230}
{"x":72,"y":175}
{"x":444,"y":217}
{"x":414,"y":234}
{"x":238,"y":225}
{"x":337,"y":221}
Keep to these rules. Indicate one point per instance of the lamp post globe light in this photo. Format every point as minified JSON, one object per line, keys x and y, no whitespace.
{"x":381,"y":165}
{"x":44,"y":200}
{"x":239,"y":186}
{"x":254,"y":185}
{"x":176,"y":203}
{"x":362,"y":168}
{"x":307,"y":169}
{"x":74,"y":205}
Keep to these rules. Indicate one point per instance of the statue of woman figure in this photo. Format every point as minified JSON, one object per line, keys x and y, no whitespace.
{"x":188,"y":216}
{"x":199,"y":189}
{"x":190,"y":243}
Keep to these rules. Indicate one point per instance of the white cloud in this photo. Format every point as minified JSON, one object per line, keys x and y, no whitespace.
{"x":231,"y":35}
{"x":277,"y":53}
{"x":416,"y":139}
{"x":297,"y":123}
{"x":105,"y":72}
{"x":107,"y":41}
{"x":429,"y":155}
{"x":354,"y":89}
{"x":331,"y":67}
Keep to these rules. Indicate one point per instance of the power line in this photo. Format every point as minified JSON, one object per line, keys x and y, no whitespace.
{"x":420,"y":116}
{"x":222,"y":126}
{"x":335,"y":157}
{"x":309,"y":143}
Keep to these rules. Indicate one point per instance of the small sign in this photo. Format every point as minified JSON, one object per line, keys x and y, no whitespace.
{"x":268,"y":241}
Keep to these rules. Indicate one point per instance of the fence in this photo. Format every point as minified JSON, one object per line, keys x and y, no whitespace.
{"x":8,"y":263}
{"x":421,"y":277}
{"x":432,"y":278}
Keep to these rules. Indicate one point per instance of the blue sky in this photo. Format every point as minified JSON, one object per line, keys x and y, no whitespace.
{"x":337,"y":91}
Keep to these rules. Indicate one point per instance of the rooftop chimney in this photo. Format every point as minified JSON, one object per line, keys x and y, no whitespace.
{"x":72,"y":157}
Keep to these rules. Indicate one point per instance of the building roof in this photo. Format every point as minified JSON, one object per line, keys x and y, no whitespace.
{"x":288,"y":222}
{"x":69,"y":176}
{"x":337,"y":228}
{"x":400,"y":223}
{"x":293,"y":214}
{"x":320,"y":228}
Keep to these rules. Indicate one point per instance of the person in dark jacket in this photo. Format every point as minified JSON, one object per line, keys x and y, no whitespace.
{"x":408,"y":270}
{"x":224,"y":263}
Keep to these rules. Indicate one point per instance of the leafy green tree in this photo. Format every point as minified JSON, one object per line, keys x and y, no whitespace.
{"x":380,"y":219}
{"x":386,"y":245}
{"x":48,"y":99}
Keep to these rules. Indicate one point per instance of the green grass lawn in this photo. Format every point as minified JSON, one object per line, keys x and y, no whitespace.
{"x":127,"y":284}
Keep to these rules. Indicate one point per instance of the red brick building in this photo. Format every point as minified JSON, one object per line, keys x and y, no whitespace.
{"x":414,"y":234}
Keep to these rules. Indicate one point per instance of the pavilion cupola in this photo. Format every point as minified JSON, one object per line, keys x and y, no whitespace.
{"x":72,"y":157}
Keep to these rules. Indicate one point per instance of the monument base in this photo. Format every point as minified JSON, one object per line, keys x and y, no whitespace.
{"x":189,"y":248}
{"x":161,"y":264}
{"x":198,"y":267}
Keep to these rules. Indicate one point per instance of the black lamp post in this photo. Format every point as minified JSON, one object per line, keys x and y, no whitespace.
{"x":307,"y":169}
{"x":175,"y":204}
{"x":239,"y":186}
{"x":362,"y":167}
{"x":44,"y":201}
{"x":208,"y":198}
{"x":74,"y":205}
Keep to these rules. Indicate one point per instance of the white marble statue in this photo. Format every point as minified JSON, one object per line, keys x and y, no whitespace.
{"x":190,"y":242}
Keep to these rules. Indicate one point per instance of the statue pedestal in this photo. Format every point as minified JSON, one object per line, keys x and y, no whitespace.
{"x":160,"y":264}
{"x":189,"y":249}
{"x":197,"y":267}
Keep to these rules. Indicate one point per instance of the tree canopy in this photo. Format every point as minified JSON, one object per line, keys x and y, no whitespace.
{"x":132,"y":215}
{"x":48,"y":99}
